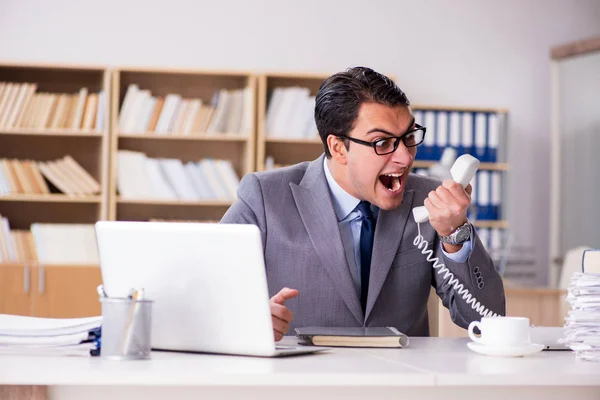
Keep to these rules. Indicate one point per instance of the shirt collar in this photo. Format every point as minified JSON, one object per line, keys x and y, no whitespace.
{"x":343,"y":202}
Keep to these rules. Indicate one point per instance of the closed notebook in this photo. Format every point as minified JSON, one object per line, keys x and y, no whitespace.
{"x":352,"y":337}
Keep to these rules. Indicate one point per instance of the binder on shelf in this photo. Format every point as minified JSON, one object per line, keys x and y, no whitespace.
{"x":493,"y":137}
{"x":441,"y":134}
{"x":480,"y":137}
{"x":467,"y":128}
{"x":473,"y":209}
{"x":454,"y":138}
{"x":495,"y":194}
{"x":427,"y":150}
{"x":483,"y":195}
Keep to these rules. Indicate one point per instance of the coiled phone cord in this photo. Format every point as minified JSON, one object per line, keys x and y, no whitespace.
{"x":423,"y":245}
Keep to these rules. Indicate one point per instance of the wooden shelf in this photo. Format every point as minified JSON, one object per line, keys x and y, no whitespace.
{"x":186,"y":71}
{"x":458,"y":108}
{"x":177,"y":203}
{"x":484,"y":166}
{"x":145,"y":210}
{"x":35,"y":264}
{"x":53,"y":132}
{"x":221,"y":137}
{"x":294,"y":141}
{"x":50,"y":198}
{"x":503,"y":224}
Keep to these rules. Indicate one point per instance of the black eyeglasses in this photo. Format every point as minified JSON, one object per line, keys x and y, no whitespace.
{"x":389,"y":145}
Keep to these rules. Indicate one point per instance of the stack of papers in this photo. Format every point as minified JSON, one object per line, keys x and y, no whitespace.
{"x":582,"y":324}
{"x":49,"y":336}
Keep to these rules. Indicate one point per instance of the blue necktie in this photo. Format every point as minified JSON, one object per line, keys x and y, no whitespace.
{"x":367,"y":232}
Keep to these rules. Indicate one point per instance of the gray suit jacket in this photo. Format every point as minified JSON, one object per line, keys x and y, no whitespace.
{"x":303,"y":250}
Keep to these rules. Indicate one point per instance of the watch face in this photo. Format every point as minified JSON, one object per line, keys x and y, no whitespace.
{"x":459,"y":236}
{"x":463,"y":234}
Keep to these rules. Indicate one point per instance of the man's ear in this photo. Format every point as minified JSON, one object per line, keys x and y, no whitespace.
{"x":337,"y":149}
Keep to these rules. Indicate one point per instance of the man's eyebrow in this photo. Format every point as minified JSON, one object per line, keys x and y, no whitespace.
{"x":412,"y":123}
{"x":380,"y":130}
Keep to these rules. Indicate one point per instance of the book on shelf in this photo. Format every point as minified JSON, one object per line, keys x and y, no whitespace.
{"x":290,"y":114}
{"x":352,"y":336}
{"x":16,"y":246}
{"x":229,"y":111}
{"x":27,"y":177}
{"x":141,"y":177}
{"x":23,"y":107}
{"x":49,"y":244}
{"x":65,"y":244}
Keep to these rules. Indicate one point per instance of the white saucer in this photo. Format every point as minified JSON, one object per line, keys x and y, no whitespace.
{"x":516,"y":351}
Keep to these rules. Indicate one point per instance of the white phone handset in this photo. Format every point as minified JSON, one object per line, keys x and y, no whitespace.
{"x":463,"y":170}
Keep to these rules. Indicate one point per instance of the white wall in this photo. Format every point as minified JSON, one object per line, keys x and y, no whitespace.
{"x":460,"y":52}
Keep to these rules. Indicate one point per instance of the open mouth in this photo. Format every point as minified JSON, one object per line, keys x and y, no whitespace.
{"x":393,"y":182}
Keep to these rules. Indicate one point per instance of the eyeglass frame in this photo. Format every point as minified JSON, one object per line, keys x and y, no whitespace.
{"x":373,"y":144}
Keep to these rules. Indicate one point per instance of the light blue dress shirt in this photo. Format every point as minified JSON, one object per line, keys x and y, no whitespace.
{"x":349,"y":223}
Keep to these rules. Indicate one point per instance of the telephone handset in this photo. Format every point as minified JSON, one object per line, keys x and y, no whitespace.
{"x":463,"y":170}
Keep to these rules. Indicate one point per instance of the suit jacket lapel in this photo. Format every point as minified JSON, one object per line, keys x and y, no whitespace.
{"x":314,"y":204}
{"x":388,"y":234}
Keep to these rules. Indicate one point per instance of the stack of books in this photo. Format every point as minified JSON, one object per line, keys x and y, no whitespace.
{"x":23,"y":107}
{"x":27,"y":177}
{"x":230,"y":111}
{"x":290,"y":114}
{"x":50,"y":336}
{"x":140,"y":177}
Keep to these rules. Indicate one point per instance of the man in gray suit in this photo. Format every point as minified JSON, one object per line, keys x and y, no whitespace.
{"x":338,"y":232}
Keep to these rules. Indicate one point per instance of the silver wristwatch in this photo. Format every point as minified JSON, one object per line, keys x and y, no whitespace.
{"x":459,"y":236}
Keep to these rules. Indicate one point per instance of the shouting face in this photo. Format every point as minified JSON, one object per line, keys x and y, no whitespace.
{"x":359,"y":170}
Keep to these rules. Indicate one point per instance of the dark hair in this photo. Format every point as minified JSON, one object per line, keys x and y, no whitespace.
{"x":341,"y":95}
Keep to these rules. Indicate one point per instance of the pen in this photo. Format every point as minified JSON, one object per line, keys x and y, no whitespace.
{"x":101,"y":291}
{"x":136,"y":296}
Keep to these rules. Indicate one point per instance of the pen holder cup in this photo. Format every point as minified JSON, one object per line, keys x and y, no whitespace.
{"x":126,"y":328}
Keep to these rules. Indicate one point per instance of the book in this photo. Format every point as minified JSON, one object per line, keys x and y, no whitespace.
{"x":352,"y":337}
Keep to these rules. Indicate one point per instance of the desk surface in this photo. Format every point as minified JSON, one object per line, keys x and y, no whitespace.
{"x":426,"y":362}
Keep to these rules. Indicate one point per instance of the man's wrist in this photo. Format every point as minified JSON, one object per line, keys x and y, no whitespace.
{"x":451,"y":248}
{"x":458,"y":236}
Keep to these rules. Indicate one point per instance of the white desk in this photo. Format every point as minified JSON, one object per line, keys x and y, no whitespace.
{"x":429,"y":368}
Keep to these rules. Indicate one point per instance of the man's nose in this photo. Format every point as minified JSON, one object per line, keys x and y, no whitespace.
{"x":402,"y":155}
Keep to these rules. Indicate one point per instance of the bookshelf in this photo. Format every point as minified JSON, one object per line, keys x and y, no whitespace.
{"x":285,"y":147}
{"x":181,"y":141}
{"x":48,"y":112}
{"x":88,"y":147}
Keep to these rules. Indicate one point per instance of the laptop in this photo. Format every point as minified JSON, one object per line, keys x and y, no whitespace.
{"x":207,"y":280}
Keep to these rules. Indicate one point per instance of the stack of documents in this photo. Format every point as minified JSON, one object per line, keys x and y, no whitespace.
{"x":582,"y":324}
{"x":49,"y":336}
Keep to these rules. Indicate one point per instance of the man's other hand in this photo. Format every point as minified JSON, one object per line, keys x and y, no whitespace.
{"x":280,"y":314}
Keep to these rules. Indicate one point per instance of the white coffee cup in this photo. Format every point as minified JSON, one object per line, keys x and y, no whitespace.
{"x":501,"y":331}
